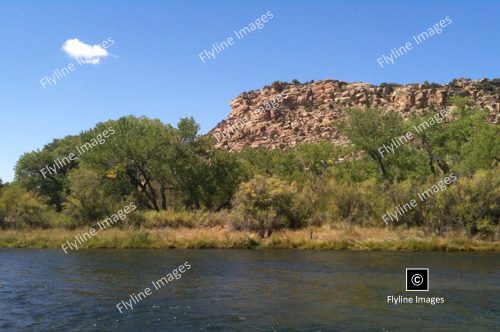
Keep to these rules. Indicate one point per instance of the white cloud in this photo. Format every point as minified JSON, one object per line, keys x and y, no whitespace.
{"x":85,"y":53}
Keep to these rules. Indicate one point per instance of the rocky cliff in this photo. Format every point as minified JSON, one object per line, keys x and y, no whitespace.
{"x":287,"y":114}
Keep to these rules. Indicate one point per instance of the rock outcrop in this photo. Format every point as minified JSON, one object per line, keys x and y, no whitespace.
{"x":287,"y":114}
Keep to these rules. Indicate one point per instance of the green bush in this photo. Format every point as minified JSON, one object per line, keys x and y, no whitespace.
{"x":168,"y":218}
{"x":176,"y":219}
{"x":471,"y":203}
{"x":20,"y":208}
{"x":389,"y":86}
{"x":364,"y":203}
{"x":487,"y":229}
{"x":267,"y":203}
{"x":60,"y":220}
{"x":87,"y":201}
{"x":344,"y":203}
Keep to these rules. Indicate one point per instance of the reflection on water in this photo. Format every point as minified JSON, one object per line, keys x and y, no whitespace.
{"x":243,"y":290}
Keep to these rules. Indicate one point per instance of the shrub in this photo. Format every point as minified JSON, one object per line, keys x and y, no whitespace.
{"x":87,"y":201}
{"x":344,"y":203}
{"x":432,"y":85}
{"x":490,"y":85}
{"x":477,"y":201}
{"x":486,"y":228}
{"x":267,"y":203}
{"x":362,"y":204}
{"x":177,"y":219}
{"x":472,"y":204}
{"x":19,"y":208}
{"x":136,"y":219}
{"x":168,"y":218}
{"x":389,"y":87}
{"x":61,"y":220}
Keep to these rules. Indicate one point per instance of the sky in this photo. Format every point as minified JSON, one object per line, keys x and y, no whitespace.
{"x":153,"y":67}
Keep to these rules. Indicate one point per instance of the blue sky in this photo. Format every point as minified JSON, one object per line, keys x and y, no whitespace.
{"x":154,"y":70}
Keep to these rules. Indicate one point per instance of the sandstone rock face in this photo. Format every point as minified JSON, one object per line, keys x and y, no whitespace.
{"x":285,"y":114}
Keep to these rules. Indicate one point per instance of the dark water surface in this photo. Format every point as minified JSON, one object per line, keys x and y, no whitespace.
{"x":244,"y":290}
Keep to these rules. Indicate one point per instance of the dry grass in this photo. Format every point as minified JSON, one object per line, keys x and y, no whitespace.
{"x":355,"y":238}
{"x":364,"y":238}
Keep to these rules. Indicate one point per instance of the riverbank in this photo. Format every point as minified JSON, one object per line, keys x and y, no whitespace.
{"x":357,"y":238}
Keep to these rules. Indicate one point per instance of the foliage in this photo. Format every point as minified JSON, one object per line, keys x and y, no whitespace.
{"x":432,"y":85}
{"x":29,"y":166}
{"x":188,"y":219}
{"x":490,"y":85}
{"x":178,"y":180}
{"x":21,"y":208}
{"x":472,"y":204}
{"x":369,"y":130}
{"x":87,"y":201}
{"x":389,"y":86}
{"x":267,"y":203}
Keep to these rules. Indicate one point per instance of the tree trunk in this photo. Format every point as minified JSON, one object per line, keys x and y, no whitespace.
{"x":428,"y":149}
{"x":153,"y":196}
{"x":380,"y":164}
{"x":163,"y":197}
{"x":443,"y":166}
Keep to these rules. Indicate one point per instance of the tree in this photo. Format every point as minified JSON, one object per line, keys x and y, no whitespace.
{"x":369,"y":130}
{"x":87,"y":201}
{"x":464,"y":140}
{"x":51,"y":184}
{"x":205,"y":177}
{"x":164,"y":165}
{"x":138,"y":151}
{"x":482,"y":150}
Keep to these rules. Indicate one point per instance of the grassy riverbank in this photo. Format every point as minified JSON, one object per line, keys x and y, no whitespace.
{"x":321,"y":238}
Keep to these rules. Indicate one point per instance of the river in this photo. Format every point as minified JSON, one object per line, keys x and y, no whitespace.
{"x":244,"y":290}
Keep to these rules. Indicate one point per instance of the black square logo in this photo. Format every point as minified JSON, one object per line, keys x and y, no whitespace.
{"x":417,"y":279}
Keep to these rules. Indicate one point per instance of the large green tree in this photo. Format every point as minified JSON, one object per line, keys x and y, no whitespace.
{"x":137,"y":152}
{"x":369,"y":130}
{"x":32,"y":169}
{"x":164,"y":165}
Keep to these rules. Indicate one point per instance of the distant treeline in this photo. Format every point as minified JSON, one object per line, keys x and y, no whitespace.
{"x":176,"y":178}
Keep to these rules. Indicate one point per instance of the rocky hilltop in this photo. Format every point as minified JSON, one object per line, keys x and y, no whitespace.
{"x":287,"y":114}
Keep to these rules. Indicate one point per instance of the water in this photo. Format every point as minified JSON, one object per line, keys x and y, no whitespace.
{"x":244,"y":290}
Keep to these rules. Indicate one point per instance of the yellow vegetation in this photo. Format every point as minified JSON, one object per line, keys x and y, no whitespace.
{"x":352,"y":238}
